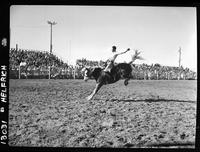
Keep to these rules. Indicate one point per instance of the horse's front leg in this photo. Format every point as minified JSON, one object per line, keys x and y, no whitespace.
{"x":98,"y":86}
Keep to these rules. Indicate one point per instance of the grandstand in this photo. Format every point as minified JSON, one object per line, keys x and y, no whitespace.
{"x":38,"y":62}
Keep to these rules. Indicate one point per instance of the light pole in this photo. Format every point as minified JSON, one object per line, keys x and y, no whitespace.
{"x":51,"y":23}
{"x":179,"y":56}
{"x":179,"y":63}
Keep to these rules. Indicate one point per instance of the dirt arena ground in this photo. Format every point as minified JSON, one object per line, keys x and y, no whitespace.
{"x":55,"y":113}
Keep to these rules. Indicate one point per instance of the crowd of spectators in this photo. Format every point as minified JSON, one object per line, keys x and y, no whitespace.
{"x":37,"y":64}
{"x":33,"y":58}
{"x":159,"y":72}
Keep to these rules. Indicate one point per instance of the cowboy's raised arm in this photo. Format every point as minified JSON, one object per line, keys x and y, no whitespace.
{"x":124,"y":51}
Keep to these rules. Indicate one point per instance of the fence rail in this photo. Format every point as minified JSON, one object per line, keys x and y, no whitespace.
{"x":59,"y":73}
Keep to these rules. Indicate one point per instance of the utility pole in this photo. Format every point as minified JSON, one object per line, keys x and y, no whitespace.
{"x":19,"y":71}
{"x":179,"y":57}
{"x":70,"y":51}
{"x":16,"y":47}
{"x":51,"y":46}
{"x":179,"y":63}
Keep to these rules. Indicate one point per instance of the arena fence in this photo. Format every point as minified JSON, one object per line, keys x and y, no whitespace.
{"x":75,"y":73}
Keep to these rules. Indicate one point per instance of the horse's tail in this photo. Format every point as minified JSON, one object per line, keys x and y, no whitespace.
{"x":136,"y":56}
{"x":132,"y":59}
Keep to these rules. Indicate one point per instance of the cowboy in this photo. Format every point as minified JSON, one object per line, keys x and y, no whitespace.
{"x":110,"y":61}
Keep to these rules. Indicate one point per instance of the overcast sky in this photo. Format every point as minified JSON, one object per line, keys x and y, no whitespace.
{"x":90,"y":32}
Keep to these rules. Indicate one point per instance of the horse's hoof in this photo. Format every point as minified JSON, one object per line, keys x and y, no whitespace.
{"x":89,"y":98}
{"x":125,"y":83}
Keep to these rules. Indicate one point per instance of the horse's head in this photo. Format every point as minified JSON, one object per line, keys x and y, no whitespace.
{"x":91,"y":72}
{"x":87,"y":73}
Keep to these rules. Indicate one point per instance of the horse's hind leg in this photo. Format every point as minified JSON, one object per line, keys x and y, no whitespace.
{"x":126,"y":81}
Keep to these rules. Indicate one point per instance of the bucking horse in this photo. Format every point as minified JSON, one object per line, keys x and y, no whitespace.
{"x":119,"y":71}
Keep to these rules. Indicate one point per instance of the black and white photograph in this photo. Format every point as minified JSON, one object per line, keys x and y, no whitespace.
{"x":97,"y":76}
